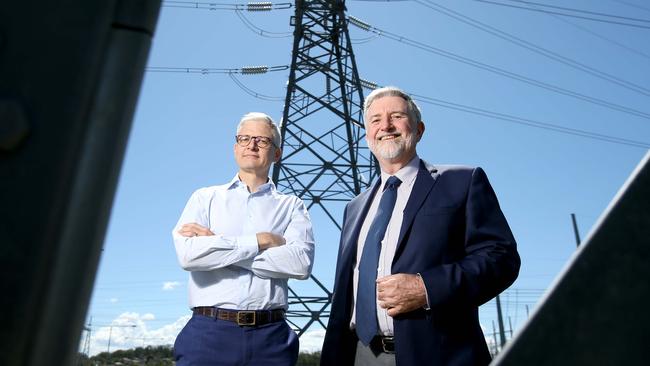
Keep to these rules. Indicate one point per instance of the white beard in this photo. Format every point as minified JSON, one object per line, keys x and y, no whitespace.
{"x":391,"y":149}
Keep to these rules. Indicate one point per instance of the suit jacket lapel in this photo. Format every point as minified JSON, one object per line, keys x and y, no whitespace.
{"x":424,"y":182}
{"x":356,"y":214}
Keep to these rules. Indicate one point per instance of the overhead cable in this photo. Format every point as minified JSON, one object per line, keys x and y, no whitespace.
{"x":364,"y":40}
{"x":251,"y":6}
{"x":632,"y":5}
{"x":531,"y":123}
{"x":499,"y":71}
{"x":573,"y":13}
{"x":534,"y":48}
{"x":209,"y":70}
{"x":606,"y":39}
{"x":250,"y":25}
{"x":246,"y":70}
{"x":518,"y":120}
{"x":252,"y":92}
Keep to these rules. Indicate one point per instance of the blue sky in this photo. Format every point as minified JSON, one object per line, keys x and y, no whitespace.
{"x":182,"y":135}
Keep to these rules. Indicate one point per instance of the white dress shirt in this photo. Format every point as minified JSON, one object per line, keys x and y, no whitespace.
{"x":407,"y":175}
{"x":227,"y":270}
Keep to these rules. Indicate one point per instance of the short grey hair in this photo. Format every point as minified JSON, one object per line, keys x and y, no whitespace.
{"x":391,"y":91}
{"x":262,"y":117}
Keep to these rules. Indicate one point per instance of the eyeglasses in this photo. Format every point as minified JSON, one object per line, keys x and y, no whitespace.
{"x":261,"y":141}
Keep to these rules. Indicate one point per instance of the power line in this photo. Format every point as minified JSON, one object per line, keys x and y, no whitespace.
{"x":534,"y":48}
{"x":540,"y":84}
{"x":264,"y":33}
{"x":569,"y":22}
{"x":238,"y":8}
{"x":425,"y":99}
{"x":605,"y":18}
{"x":249,"y":70}
{"x":606,"y":39}
{"x":530,"y":122}
{"x":251,"y":6}
{"x":211,"y":70}
{"x":632,"y":5}
{"x":366,"y":39}
{"x":253,"y":93}
{"x":525,"y":121}
{"x":250,"y":25}
{"x":580,"y":11}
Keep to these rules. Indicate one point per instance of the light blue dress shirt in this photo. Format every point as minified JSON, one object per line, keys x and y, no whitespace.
{"x":407,"y":174}
{"x":227,"y":270}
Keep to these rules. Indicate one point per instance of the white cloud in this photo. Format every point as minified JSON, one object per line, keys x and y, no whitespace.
{"x":129,"y":330}
{"x":312,"y":341}
{"x":170,"y":285}
{"x":113,"y":300}
{"x":493,"y":345}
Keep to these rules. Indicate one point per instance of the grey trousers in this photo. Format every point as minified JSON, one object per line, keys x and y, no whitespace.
{"x":366,"y":357}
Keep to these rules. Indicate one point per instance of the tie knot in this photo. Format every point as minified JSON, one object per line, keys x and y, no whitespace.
{"x":392,"y":182}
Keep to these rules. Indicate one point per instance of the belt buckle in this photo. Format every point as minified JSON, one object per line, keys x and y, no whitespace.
{"x":388,"y":344}
{"x":243,"y":318}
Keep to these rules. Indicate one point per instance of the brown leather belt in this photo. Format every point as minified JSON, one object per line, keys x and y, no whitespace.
{"x":241,"y":317}
{"x":383,"y":344}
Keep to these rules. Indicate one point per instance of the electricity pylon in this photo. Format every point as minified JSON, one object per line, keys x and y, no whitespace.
{"x":325,"y":160}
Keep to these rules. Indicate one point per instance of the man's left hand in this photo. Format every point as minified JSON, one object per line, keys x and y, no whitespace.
{"x":401,"y":293}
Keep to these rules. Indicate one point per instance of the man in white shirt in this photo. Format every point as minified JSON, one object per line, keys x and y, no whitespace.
{"x":241,"y":242}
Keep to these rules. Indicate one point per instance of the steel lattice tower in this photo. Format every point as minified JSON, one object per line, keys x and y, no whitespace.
{"x":323,"y":161}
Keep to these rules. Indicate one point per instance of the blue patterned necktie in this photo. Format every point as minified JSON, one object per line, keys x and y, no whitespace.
{"x":366,"y":305}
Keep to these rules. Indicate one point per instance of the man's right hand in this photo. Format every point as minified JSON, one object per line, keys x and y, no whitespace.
{"x":266,"y":240}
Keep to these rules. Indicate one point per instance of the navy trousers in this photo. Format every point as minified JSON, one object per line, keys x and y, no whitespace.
{"x":206,"y":341}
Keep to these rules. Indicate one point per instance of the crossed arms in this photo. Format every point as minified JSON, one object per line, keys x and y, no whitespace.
{"x":288,"y":254}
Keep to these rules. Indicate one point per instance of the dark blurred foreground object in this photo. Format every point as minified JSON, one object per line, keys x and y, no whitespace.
{"x":597,"y":312}
{"x":70,"y":75}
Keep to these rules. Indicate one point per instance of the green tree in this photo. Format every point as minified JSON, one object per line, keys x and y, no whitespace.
{"x":308,"y":359}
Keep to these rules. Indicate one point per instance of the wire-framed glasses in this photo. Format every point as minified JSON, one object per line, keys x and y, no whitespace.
{"x":261,"y":141}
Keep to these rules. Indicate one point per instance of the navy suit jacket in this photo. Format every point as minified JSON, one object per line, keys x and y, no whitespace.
{"x":455,"y":235}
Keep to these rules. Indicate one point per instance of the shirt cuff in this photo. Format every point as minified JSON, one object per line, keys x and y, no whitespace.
{"x":427,"y":306}
{"x":248,"y":245}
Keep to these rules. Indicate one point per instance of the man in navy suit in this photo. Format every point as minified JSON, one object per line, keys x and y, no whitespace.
{"x":419,"y":252}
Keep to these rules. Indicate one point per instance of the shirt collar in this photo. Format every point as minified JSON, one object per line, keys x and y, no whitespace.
{"x":236,"y":183}
{"x":406,"y":174}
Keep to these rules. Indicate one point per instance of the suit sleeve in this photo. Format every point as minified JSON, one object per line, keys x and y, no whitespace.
{"x":490,"y":263}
